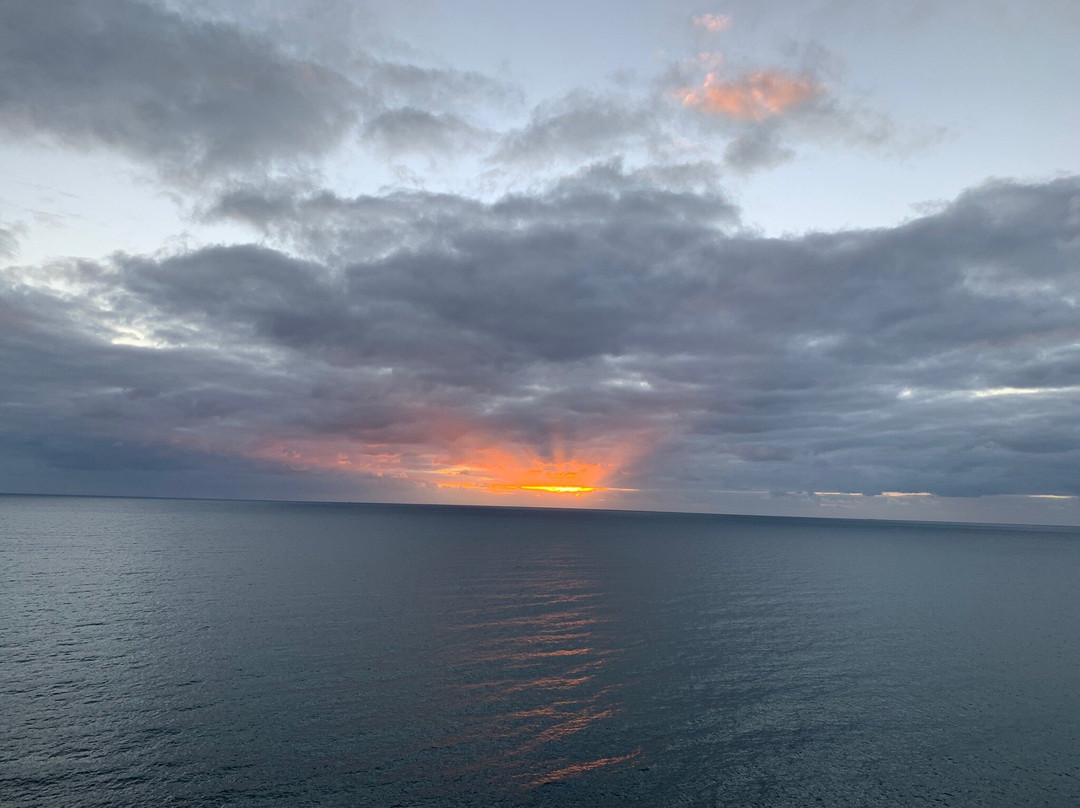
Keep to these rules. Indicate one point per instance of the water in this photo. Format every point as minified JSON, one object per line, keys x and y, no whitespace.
{"x":256,"y":654}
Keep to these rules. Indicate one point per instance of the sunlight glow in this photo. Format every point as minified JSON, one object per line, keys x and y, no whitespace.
{"x":501,"y":470}
{"x":477,"y":463}
{"x":559,"y":489}
{"x":994,"y":392}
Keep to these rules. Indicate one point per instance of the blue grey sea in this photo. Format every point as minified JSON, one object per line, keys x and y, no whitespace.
{"x":194,"y":653}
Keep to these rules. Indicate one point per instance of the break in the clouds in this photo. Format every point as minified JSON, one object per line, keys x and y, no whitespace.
{"x":569,"y":295}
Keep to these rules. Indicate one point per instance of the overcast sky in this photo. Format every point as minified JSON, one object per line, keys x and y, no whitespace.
{"x":817,"y":257}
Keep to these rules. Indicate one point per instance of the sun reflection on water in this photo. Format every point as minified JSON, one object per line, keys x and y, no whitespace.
{"x":535,"y":706}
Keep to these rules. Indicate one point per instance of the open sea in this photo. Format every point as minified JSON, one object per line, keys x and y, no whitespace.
{"x":187,"y":653}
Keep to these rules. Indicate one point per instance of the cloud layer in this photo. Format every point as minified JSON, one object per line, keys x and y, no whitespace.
{"x":201,"y":99}
{"x":610,"y":323}
{"x":616,"y":319}
{"x":192,"y":96}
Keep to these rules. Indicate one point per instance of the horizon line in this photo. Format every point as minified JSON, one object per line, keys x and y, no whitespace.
{"x":638,"y":511}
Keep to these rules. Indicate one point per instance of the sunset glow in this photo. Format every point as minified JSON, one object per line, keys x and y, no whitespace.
{"x":512,"y":404}
{"x":347,"y":271}
{"x":559,"y":489}
{"x":502,"y":470}
{"x":490,"y":468}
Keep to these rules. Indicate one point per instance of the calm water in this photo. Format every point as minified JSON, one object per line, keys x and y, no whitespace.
{"x":245,"y":654}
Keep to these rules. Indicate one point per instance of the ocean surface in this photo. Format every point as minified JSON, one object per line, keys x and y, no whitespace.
{"x":186,"y":653}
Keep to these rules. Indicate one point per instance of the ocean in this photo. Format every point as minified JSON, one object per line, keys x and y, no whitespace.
{"x":199,"y":653}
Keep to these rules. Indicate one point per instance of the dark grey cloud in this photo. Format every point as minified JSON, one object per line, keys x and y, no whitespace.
{"x":582,"y":127}
{"x":408,"y":130}
{"x":435,"y":89}
{"x":194,"y":97}
{"x":345,"y":36}
{"x":759,"y":148}
{"x":9,"y":239}
{"x":340,"y":229}
{"x":202,"y":98}
{"x":614,"y":309}
{"x":205,"y":92}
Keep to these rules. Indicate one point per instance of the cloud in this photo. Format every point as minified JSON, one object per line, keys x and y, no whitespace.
{"x":192,"y":97}
{"x":757,"y":149}
{"x":617,"y":320}
{"x":9,"y":239}
{"x":338,"y":229}
{"x":713,"y":23}
{"x":753,"y":96}
{"x":764,"y":114}
{"x":580,"y":126}
{"x":437,"y":90}
{"x":208,"y":95}
{"x":410,"y":130}
{"x":203,"y":98}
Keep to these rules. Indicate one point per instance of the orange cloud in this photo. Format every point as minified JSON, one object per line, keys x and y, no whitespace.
{"x":714,"y":23}
{"x":752,"y":97}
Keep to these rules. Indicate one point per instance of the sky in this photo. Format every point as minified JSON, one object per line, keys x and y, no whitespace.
{"x":816,"y":258}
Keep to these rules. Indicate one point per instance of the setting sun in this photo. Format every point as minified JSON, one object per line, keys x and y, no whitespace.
{"x":503,"y":470}
{"x":559,"y":489}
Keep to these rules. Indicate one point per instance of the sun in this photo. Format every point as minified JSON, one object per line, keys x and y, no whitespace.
{"x":561,"y":489}
{"x":502,"y":470}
